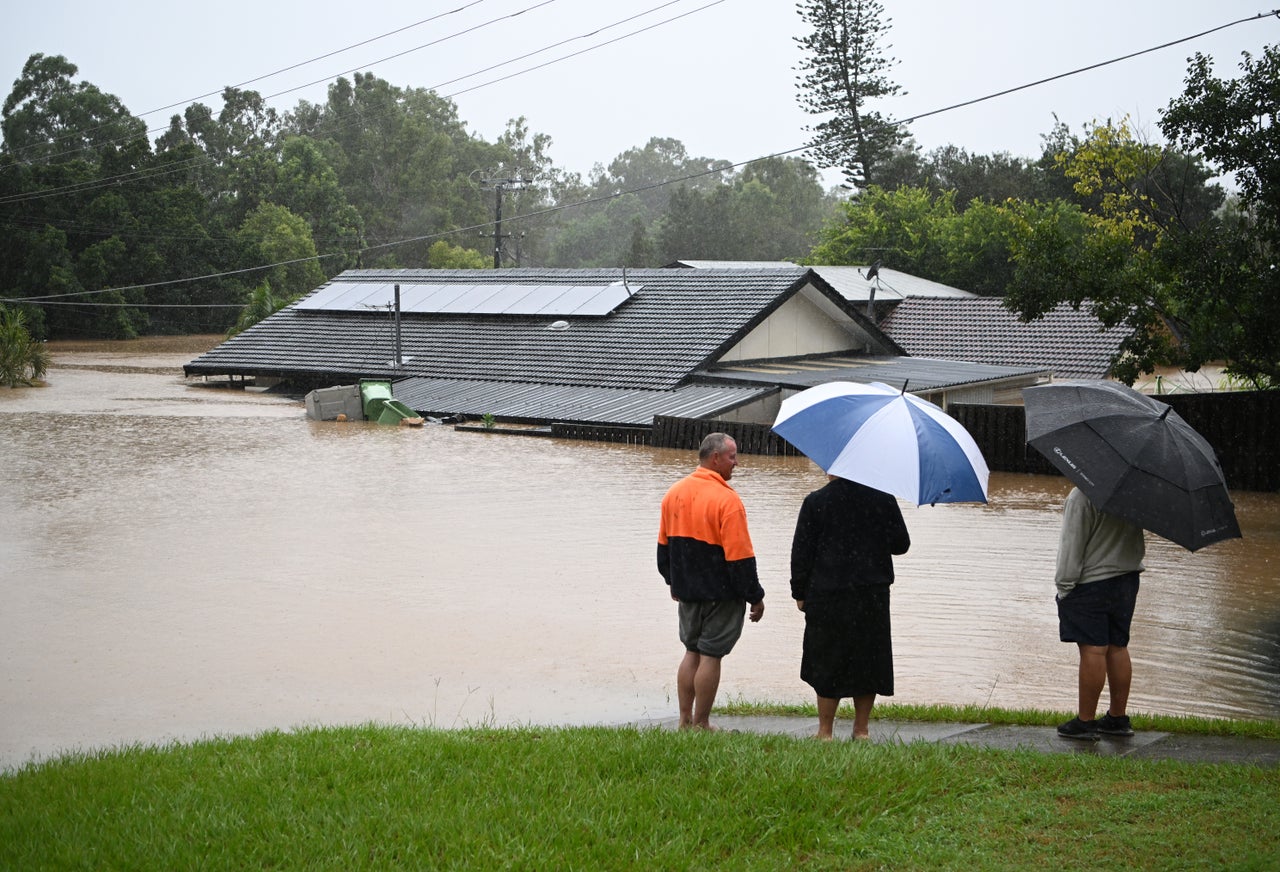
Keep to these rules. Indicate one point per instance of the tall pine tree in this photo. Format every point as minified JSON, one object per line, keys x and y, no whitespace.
{"x":844,"y":67}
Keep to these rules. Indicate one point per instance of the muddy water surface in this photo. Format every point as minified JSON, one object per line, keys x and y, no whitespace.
{"x":179,"y":561}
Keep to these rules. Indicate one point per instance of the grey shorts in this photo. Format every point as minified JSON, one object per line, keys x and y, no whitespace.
{"x":712,"y":628}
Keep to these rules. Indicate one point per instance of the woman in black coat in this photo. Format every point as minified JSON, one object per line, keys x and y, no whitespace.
{"x":841,"y":569}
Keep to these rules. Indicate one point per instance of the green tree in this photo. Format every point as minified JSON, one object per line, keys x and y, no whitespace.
{"x":404,"y":159}
{"x":1227,"y":289}
{"x":262,"y":304}
{"x":992,"y":178}
{"x":698,"y":226}
{"x":238,"y":147}
{"x":272,"y":234}
{"x":49,"y":119}
{"x":68,"y":220}
{"x":600,"y":238}
{"x":900,"y":229}
{"x":444,"y":255}
{"x":23,"y":360}
{"x":1107,"y":255}
{"x":307,"y":185}
{"x":844,"y":70}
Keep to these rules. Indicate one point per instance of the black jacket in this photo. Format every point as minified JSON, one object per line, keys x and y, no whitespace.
{"x":846,"y":536}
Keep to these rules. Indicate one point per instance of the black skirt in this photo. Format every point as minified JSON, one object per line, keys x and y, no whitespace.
{"x":848,"y":649}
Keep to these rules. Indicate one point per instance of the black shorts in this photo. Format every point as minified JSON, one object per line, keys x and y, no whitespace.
{"x":1100,"y":612}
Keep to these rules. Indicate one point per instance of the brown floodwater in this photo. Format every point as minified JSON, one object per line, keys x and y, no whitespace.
{"x":179,"y":561}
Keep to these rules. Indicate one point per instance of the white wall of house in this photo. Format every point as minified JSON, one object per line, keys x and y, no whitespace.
{"x":764,"y":411}
{"x":801,"y":325}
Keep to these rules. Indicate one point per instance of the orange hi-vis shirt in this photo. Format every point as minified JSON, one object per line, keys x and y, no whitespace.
{"x":704,"y":549}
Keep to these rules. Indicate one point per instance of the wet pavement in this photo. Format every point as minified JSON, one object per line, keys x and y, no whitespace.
{"x":1144,"y":745}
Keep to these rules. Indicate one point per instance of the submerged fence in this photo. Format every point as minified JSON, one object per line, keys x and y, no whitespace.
{"x":1243,"y":428}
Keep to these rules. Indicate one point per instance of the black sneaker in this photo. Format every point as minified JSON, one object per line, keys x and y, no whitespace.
{"x":1114,"y":726}
{"x":1078,"y":729}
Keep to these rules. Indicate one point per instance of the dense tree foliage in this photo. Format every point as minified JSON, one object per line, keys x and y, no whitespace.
{"x":1154,"y":249}
{"x":844,"y":69}
{"x":1224,"y":276}
{"x":916,"y":231}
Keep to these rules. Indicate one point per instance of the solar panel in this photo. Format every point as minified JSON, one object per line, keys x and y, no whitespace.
{"x":471,"y":299}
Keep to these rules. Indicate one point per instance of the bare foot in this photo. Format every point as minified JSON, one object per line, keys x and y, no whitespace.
{"x":825,"y":737}
{"x":862,"y":737}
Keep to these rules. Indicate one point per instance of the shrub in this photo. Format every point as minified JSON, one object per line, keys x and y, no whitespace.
{"x":23,"y":360}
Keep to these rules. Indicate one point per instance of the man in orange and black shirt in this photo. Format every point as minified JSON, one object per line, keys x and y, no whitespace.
{"x":705,"y":556}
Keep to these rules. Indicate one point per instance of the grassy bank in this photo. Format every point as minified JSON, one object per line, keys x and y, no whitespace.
{"x":974,"y":714}
{"x":376,"y":797}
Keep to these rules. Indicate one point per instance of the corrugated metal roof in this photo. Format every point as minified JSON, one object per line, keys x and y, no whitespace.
{"x":570,"y":404}
{"x":1071,"y":343}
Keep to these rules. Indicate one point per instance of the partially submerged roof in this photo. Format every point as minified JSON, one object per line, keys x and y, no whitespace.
{"x":651,"y":335}
{"x":1070,"y":343}
{"x":522,"y":402}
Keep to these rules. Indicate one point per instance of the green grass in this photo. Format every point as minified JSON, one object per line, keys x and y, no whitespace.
{"x":376,"y":797}
{"x":974,"y":714}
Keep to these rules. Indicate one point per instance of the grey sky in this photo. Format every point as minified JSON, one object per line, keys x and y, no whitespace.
{"x":721,"y":79}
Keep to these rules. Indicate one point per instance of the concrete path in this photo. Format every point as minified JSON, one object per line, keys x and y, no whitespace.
{"x":1145,"y":745}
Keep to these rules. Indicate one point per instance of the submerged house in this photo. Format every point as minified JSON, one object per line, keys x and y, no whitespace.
{"x":594,"y":346}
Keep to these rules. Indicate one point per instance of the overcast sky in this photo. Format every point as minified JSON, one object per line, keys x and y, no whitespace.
{"x":721,"y":78}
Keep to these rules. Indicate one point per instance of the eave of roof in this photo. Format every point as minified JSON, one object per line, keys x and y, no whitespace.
{"x":918,"y":373}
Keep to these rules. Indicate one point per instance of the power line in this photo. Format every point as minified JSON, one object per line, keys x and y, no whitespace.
{"x":143,"y":174}
{"x":281,"y":70}
{"x":1099,"y":65}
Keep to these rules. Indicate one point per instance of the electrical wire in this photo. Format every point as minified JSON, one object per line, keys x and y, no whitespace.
{"x":145,"y":174}
{"x":278,"y":72}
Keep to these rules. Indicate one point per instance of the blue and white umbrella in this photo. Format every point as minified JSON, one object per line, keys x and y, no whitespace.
{"x":887,"y":439}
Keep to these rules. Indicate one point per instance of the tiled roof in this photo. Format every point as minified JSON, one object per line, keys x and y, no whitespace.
{"x":1070,"y":343}
{"x":676,"y":322}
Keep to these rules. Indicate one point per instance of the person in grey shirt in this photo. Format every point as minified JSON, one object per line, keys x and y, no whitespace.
{"x":1099,"y":559}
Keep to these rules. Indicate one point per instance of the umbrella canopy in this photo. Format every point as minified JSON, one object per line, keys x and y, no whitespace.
{"x":887,"y":439}
{"x":1134,"y":457}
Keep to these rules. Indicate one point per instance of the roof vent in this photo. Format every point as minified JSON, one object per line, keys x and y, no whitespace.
{"x":558,"y":325}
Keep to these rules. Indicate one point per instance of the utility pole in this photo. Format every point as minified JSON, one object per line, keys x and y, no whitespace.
{"x":513,"y":183}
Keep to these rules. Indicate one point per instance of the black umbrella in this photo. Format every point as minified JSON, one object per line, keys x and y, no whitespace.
{"x":1133,"y":457}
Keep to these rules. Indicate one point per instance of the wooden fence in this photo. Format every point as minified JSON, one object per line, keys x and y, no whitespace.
{"x":1243,"y":427}
{"x":687,"y":433}
{"x":603,"y":433}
